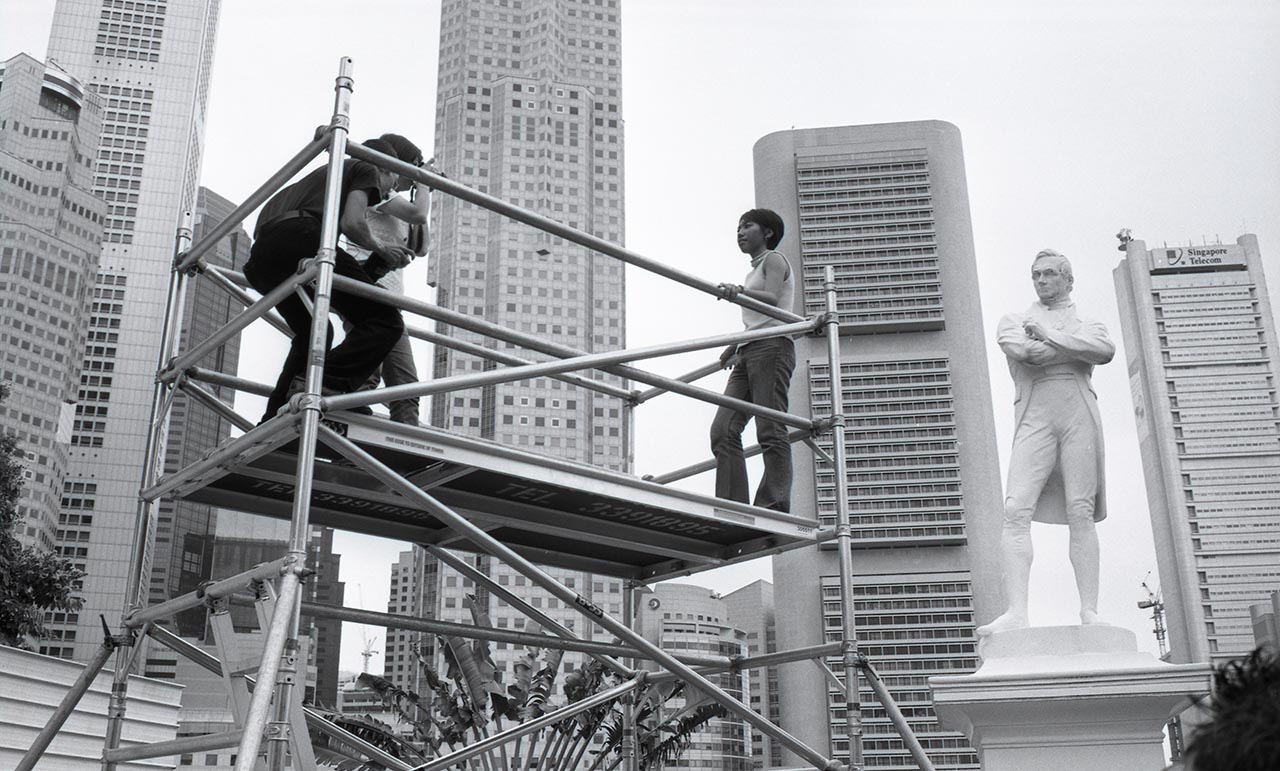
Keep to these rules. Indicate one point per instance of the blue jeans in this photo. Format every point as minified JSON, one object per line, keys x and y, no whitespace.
{"x":762,"y":376}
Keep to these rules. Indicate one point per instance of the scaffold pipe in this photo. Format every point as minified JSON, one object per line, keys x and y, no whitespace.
{"x":233,"y":327}
{"x":214,"y":377}
{"x":483,"y":540}
{"x":209,"y":399}
{"x":210,"y":663}
{"x":548,"y":225}
{"x":688,"y":377}
{"x":256,"y":198}
{"x":180,"y":746}
{"x":505,"y":358}
{"x":844,"y":538}
{"x":449,"y":628}
{"x":65,"y":707}
{"x":897,"y":718}
{"x":282,"y":631}
{"x":213,"y":591}
{"x":562,"y":631}
{"x":531,"y":342}
{"x":793,"y":436}
{"x":738,"y":663}
{"x":232,"y":287}
{"x":589,"y":361}
{"x":272,"y":650}
{"x":530,"y":726}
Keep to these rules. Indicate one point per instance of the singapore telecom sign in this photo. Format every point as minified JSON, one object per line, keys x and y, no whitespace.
{"x":1188,"y":259}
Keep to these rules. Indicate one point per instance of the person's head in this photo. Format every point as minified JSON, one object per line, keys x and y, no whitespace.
{"x":406,"y":151}
{"x":387,"y":179}
{"x":1243,"y":732}
{"x":759,"y":228}
{"x":1051,"y":275}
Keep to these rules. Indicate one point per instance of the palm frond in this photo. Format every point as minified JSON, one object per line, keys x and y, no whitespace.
{"x":681,"y":729}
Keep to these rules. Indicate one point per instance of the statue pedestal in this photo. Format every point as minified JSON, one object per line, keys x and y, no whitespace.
{"x":1067,"y":697}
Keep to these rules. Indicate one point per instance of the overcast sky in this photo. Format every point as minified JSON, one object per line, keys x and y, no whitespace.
{"x":1078,"y":118}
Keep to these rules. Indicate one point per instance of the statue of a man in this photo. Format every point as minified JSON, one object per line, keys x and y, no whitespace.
{"x":1056,"y":468}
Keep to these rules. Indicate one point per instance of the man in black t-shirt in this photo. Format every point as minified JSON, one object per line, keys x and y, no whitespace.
{"x":288,"y":231}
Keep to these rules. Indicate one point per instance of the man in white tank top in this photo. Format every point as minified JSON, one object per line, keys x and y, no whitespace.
{"x":761,"y":371}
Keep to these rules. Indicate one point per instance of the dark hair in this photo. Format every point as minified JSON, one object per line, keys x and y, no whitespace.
{"x":769,"y":220}
{"x":1243,"y":733}
{"x":380,"y":145}
{"x":404,"y":149}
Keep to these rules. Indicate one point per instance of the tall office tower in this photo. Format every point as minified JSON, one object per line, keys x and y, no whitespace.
{"x":50,"y":231}
{"x":149,"y":63}
{"x":886,"y":207}
{"x":1201,"y":342}
{"x":751,"y":609}
{"x":185,"y":531}
{"x":529,"y":109}
{"x":683,"y":618}
{"x":412,"y":594}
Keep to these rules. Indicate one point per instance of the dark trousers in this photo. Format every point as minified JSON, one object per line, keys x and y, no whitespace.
{"x":375,"y":327}
{"x":761,"y":376}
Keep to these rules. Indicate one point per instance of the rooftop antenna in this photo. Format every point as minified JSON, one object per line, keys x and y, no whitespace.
{"x":1156,"y":602}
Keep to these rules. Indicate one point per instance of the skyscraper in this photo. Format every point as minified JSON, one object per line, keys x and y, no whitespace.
{"x":149,"y":63}
{"x":751,"y":609}
{"x":529,"y":109}
{"x":1200,"y":341}
{"x":886,"y":206}
{"x":50,"y":231}
{"x":185,"y":532}
{"x":684,"y":618}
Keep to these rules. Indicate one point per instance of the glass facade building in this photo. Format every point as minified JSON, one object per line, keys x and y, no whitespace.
{"x":50,"y":234}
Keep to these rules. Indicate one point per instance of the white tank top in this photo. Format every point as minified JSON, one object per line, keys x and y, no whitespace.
{"x":752,"y":319}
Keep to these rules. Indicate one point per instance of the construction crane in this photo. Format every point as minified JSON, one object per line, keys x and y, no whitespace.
{"x":1156,"y":602}
{"x":368,"y":651}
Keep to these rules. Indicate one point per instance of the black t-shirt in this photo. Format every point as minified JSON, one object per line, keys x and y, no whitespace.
{"x":307,"y":194}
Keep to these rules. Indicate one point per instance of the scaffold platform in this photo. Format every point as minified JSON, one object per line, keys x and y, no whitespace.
{"x":552,"y":511}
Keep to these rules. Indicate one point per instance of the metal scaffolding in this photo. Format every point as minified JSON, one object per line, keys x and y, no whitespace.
{"x":445,"y":491}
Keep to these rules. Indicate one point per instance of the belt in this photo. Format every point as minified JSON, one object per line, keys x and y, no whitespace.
{"x":285,"y":217}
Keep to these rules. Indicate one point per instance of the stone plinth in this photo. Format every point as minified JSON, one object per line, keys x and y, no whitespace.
{"x":1066,"y":698}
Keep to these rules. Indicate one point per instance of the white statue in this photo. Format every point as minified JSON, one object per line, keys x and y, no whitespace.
{"x":1056,"y":468}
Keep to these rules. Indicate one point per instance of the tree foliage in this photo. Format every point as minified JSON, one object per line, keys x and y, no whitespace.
{"x":471,"y":702}
{"x":31,"y":581}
